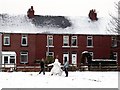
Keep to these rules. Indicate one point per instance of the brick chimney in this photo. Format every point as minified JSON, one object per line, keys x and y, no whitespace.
{"x":93,"y":15}
{"x":30,"y":12}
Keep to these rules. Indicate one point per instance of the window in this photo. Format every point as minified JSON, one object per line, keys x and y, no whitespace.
{"x":74,"y":41}
{"x":9,"y":59}
{"x":24,"y":40}
{"x":91,"y":53}
{"x":12,"y":59}
{"x":6,"y":39}
{"x":49,"y":40}
{"x":114,"y":42}
{"x":89,"y":41}
{"x":115,"y":55}
{"x":24,"y":57}
{"x":6,"y":59}
{"x":65,"y":40}
{"x":50,"y":54}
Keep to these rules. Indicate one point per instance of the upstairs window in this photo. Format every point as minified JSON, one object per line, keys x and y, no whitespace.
{"x":65,"y":40}
{"x":49,"y":40}
{"x":114,"y":42}
{"x":24,"y":40}
{"x":89,"y":41}
{"x":24,"y":57}
{"x":74,"y":41}
{"x":6,"y":39}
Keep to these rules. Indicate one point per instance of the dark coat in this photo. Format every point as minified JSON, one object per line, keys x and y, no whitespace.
{"x":42,"y":64}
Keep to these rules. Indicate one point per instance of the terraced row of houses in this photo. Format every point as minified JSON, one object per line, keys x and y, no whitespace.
{"x":25,"y":40}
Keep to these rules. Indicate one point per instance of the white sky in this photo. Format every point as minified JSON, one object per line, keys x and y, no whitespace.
{"x":58,"y":7}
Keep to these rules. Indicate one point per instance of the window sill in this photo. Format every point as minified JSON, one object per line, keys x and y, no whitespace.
{"x":7,"y":45}
{"x":70,"y":46}
{"x":24,"y":45}
{"x":89,"y":46}
{"x":114,"y":46}
{"x":74,"y":46}
{"x":66,"y":46}
{"x":23,"y":62}
{"x":49,"y":46}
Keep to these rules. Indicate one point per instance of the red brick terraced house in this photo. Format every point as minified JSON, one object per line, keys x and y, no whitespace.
{"x":25,"y":40}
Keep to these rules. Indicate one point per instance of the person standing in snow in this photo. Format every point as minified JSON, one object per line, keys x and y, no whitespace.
{"x":66,"y":68}
{"x":56,"y":70}
{"x":42,"y":65}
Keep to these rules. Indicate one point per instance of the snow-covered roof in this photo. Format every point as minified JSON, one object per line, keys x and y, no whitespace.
{"x":68,"y":25}
{"x":17,"y":22}
{"x":51,"y":21}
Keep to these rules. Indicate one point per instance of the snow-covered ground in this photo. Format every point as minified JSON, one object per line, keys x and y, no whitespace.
{"x":75,"y":80}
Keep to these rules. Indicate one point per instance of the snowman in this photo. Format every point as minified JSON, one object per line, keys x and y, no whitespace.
{"x":56,"y":69}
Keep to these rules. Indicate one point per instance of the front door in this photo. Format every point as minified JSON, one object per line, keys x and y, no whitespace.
{"x":74,"y":59}
{"x":65,"y":57}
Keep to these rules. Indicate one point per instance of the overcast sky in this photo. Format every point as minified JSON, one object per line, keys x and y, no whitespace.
{"x":58,"y":7}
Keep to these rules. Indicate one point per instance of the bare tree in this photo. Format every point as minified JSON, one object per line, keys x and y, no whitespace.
{"x":114,"y":25}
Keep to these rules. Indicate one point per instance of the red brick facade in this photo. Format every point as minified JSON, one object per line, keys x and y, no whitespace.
{"x":37,"y":46}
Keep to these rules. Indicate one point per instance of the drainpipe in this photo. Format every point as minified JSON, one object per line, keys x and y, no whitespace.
{"x":0,"y":51}
{"x":47,"y":46}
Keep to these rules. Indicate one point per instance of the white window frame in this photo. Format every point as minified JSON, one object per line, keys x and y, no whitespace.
{"x":72,"y":39}
{"x":114,"y":42}
{"x":49,"y":37}
{"x":25,"y":53}
{"x":65,"y":41}
{"x":26,"y":38}
{"x":6,"y":37}
{"x":74,"y":62}
{"x":115,"y":55}
{"x":89,"y":38}
{"x":8,"y":54}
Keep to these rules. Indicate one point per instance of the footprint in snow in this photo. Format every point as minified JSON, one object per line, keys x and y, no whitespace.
{"x":94,"y":80}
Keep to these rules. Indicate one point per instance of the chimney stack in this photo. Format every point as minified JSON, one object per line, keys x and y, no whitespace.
{"x":30,"y":12}
{"x":93,"y":15}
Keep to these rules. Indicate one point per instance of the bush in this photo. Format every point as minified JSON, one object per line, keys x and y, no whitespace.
{"x":49,"y":60}
{"x":73,"y":68}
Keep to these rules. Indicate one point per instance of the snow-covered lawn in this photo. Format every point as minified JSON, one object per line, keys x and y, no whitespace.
{"x":75,"y":80}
